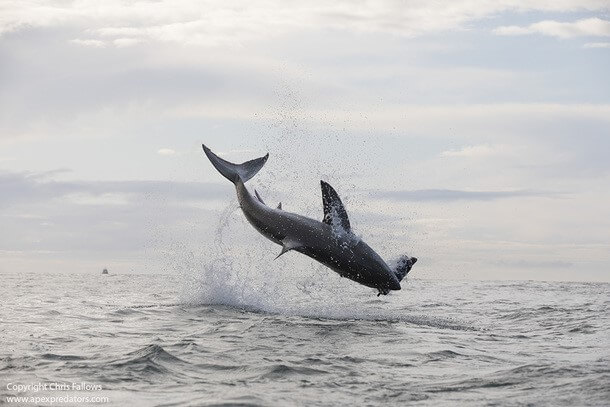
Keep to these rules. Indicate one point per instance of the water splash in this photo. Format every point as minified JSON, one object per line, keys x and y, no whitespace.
{"x":238,"y":269}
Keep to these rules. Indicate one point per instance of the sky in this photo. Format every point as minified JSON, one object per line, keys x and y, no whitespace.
{"x":473,"y":135}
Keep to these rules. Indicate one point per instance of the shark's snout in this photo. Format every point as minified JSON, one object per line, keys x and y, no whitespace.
{"x":403,"y":266}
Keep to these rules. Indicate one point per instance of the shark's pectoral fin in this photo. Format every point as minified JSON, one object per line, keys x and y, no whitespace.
{"x":334,"y":211}
{"x":259,"y":197}
{"x":279,"y":206}
{"x":288,"y":245}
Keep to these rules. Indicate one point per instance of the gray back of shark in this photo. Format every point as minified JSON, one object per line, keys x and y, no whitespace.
{"x":330,"y":242}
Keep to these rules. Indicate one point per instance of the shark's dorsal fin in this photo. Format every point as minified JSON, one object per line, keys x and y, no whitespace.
{"x":279,"y":206}
{"x":288,"y":245}
{"x":334,"y":211}
{"x":259,"y":197}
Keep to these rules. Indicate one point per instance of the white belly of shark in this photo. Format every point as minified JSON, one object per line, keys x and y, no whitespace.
{"x":330,"y":242}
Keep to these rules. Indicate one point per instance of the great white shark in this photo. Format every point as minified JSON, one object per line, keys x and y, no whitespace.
{"x":330,"y":242}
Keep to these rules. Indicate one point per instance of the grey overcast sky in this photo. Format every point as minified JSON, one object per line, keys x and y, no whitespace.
{"x":474,"y":135}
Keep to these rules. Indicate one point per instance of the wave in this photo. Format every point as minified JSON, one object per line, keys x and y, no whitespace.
{"x":53,"y":356}
{"x":151,"y":359}
{"x":153,"y":352}
{"x":281,"y":371}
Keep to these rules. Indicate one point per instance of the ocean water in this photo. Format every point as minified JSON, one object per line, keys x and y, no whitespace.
{"x":171,"y":340}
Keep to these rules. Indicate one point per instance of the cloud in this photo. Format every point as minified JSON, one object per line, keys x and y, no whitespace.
{"x":597,"y":45}
{"x":89,"y":43}
{"x":595,"y":27}
{"x":126,"y":42}
{"x":406,"y":114}
{"x":73,"y":221}
{"x":473,"y":151}
{"x":448,"y":195}
{"x":528,"y":264}
{"x":98,"y":199}
{"x":218,"y":23}
{"x":512,"y":30}
{"x":166,"y":151}
{"x":31,"y":188}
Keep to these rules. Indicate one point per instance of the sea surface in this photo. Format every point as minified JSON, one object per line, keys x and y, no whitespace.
{"x":146,"y":340}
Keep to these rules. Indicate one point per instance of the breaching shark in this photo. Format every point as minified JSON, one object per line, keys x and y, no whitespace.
{"x":330,"y":242}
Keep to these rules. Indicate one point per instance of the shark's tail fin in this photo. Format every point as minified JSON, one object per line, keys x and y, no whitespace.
{"x":236,"y":172}
{"x":403,"y":266}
